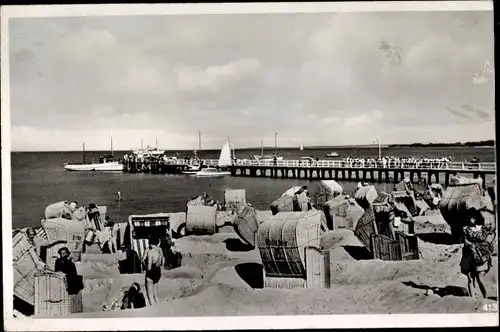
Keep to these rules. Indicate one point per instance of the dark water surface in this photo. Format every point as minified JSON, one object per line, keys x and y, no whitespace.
{"x":39,"y":179}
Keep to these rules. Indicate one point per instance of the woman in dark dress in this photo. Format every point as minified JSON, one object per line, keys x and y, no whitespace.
{"x":477,"y":251}
{"x":65,"y":265}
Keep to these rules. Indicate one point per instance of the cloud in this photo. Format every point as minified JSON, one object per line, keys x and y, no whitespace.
{"x":366,"y":119}
{"x":214,"y":78}
{"x":248,"y":76}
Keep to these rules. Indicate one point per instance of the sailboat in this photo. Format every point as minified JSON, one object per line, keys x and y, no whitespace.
{"x":224,"y":161}
{"x":301,"y":146}
{"x":268,"y":157}
{"x":105,"y":164}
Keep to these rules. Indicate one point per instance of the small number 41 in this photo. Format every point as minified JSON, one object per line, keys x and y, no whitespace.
{"x":490,"y":307}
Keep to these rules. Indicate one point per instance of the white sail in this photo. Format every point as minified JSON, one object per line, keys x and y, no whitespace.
{"x":225,"y":155}
{"x":301,"y":146}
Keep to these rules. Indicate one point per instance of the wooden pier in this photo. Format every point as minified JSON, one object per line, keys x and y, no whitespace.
{"x":324,"y":169}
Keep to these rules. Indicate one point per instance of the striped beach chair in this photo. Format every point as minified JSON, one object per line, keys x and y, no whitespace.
{"x":145,"y":221}
{"x":40,"y":232}
{"x":140,"y":246}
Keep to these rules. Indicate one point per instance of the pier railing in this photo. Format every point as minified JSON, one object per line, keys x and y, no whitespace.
{"x":347,"y":164}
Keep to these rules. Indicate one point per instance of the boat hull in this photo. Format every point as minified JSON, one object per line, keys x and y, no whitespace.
{"x":212,"y":175}
{"x":106,"y":167}
{"x":190,"y":172}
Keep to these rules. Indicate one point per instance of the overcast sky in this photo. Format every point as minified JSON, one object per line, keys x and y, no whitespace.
{"x":324,"y":79}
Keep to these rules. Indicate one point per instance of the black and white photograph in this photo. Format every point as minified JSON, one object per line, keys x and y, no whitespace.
{"x":285,"y":165}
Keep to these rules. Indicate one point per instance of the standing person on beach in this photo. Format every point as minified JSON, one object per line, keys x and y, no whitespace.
{"x":477,"y":251}
{"x":153,"y":261}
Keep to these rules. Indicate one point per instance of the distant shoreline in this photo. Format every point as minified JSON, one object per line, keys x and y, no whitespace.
{"x":477,"y":144}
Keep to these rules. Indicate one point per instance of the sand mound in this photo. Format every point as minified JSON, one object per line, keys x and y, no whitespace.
{"x":184,"y":272}
{"x":215,"y":281}
{"x":228,"y":276}
{"x":212,"y":239}
{"x":108,"y":259}
{"x":336,"y":239}
{"x":96,"y":270}
{"x":386,"y":297}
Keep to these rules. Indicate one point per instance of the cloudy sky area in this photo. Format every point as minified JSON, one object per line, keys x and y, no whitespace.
{"x":324,"y":79}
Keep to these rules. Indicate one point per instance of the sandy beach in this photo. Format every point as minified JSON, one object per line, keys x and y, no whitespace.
{"x":219,"y":278}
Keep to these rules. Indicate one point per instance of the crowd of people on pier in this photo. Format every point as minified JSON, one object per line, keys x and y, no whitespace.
{"x":397,"y":162}
{"x":383,"y":162}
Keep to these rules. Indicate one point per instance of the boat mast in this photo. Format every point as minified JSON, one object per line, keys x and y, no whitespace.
{"x":261,"y":148}
{"x":111,"y":146}
{"x":156,"y":142}
{"x":199,"y":140}
{"x":83,"y":154}
{"x":141,"y":143}
{"x":276,"y":144}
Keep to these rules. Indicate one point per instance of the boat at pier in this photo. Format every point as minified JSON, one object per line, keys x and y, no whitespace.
{"x":212,"y":172}
{"x":104,"y":164}
{"x":332,"y":154}
{"x":224,"y":161}
{"x":149,"y":151}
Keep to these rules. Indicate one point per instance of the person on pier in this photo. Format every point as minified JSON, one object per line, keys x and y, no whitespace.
{"x":153,"y":261}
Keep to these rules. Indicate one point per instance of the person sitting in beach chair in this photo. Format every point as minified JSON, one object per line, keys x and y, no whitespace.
{"x":33,"y":239}
{"x":94,"y":217}
{"x":107,"y":238}
{"x":66,"y":265}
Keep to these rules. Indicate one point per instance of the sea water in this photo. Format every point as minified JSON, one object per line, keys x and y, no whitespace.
{"x":39,"y":179}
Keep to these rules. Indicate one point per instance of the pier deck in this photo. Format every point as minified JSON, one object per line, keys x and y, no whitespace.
{"x":327,"y":169}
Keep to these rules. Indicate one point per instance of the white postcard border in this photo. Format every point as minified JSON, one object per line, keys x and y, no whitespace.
{"x":202,"y":323}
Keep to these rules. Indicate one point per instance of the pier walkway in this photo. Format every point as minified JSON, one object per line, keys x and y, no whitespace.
{"x":328,"y":169}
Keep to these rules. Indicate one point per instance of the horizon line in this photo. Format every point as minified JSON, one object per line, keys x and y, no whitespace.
{"x":374,"y":145}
